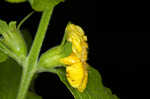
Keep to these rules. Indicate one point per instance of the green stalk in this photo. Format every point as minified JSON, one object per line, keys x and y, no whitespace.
{"x":30,"y":65}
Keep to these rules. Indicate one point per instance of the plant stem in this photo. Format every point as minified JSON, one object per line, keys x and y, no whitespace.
{"x":31,"y":61}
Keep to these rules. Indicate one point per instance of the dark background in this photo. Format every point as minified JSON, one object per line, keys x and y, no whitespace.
{"x":118,"y":40}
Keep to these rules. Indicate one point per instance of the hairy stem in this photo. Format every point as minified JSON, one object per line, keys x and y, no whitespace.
{"x":31,"y":61}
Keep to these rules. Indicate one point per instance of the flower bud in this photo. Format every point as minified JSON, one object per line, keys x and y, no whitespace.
{"x":72,"y":54}
{"x":12,"y":38}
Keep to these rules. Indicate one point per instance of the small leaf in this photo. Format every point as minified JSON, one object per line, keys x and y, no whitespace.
{"x":15,"y":1}
{"x":41,"y":5}
{"x":10,"y":73}
{"x":94,"y":90}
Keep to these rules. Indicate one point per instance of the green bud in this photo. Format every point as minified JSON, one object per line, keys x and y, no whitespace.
{"x":12,"y":38}
{"x":51,"y":58}
{"x":41,"y":5}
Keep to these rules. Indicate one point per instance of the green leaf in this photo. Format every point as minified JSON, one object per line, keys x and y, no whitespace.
{"x":94,"y":90}
{"x":3,"y":56}
{"x":15,"y":1}
{"x":41,"y":5}
{"x":10,"y":74}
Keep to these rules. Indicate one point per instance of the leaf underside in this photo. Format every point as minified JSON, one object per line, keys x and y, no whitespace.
{"x":10,"y":74}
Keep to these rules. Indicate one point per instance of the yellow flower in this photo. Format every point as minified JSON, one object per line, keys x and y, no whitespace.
{"x":76,"y":66}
